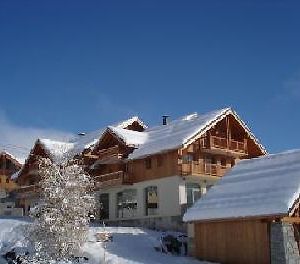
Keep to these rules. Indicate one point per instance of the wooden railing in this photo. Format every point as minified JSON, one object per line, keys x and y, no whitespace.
{"x":6,"y":172}
{"x":214,"y":142}
{"x":109,"y":152}
{"x":28,"y":188}
{"x":196,"y":168}
{"x":111,"y":179}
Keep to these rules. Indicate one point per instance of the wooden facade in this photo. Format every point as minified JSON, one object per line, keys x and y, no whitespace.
{"x":234,"y":242}
{"x":211,"y":154}
{"x":8,"y":166}
{"x":29,"y":173}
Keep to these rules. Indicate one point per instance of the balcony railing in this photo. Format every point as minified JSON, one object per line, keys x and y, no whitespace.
{"x":196,"y":168}
{"x":214,"y":142}
{"x":111,"y":179}
{"x":28,"y":188}
{"x":6,"y":172}
{"x":109,"y":152}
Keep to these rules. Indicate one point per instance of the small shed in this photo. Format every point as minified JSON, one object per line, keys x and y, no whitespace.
{"x":251,"y":215}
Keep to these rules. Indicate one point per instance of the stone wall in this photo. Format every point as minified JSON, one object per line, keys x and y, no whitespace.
{"x":284,"y":249}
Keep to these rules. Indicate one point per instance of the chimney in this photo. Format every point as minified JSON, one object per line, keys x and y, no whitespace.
{"x":165,"y":119}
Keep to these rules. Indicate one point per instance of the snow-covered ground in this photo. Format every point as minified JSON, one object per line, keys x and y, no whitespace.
{"x":129,"y":245}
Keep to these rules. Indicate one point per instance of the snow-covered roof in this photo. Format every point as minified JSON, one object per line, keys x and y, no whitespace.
{"x":263,"y":186}
{"x":130,"y":121}
{"x":11,"y":156}
{"x":129,"y":137}
{"x":182,"y":131}
{"x":56,"y":149}
{"x":90,"y":139}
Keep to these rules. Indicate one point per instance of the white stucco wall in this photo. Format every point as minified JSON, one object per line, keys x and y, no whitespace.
{"x":171,"y":194}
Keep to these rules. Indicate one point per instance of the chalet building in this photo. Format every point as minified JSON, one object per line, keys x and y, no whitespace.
{"x":8,"y":166}
{"x":252,"y":215}
{"x":151,"y":177}
{"x":27,"y":178}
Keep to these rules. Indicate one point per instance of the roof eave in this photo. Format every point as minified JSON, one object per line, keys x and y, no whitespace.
{"x":226,"y":112}
{"x":239,"y":218}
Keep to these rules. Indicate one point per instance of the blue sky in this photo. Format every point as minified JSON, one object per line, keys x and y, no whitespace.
{"x":79,"y":65}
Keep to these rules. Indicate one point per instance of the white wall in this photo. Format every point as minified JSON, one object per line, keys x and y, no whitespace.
{"x":171,"y":193}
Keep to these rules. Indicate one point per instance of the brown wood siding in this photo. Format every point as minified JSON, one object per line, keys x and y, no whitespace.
{"x":234,"y":242}
{"x":168,"y":167}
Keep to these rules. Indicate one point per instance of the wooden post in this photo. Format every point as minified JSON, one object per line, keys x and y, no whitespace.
{"x":228,"y":132}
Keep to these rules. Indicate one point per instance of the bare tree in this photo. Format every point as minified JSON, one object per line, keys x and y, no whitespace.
{"x":62,"y":217}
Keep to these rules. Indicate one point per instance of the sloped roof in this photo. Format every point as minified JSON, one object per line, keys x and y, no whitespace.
{"x":59,"y":149}
{"x":18,"y":161}
{"x":56,"y":149}
{"x":91,"y":139}
{"x":182,"y":131}
{"x":129,"y":137}
{"x":263,"y":186}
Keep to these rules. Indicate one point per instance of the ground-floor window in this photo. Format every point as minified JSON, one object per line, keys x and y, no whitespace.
{"x":151,"y":203}
{"x":193,"y":191}
{"x":104,"y":206}
{"x":127,"y":203}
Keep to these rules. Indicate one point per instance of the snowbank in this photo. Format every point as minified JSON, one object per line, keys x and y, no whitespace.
{"x":130,"y":245}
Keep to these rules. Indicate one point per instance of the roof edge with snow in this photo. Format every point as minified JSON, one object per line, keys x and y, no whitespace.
{"x":225,"y":112}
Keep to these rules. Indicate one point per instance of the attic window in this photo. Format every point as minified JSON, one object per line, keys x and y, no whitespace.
{"x":148,"y":163}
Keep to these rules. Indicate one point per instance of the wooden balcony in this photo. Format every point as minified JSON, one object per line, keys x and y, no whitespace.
{"x":107,"y":156}
{"x":7,"y":172}
{"x":198,"y":169}
{"x":112,"y":179}
{"x":220,"y":145}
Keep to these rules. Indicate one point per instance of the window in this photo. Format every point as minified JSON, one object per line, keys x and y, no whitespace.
{"x":7,"y":180}
{"x":193,"y":192}
{"x":187,"y":158}
{"x":127,"y":203}
{"x":223,"y":163}
{"x":213,"y":160}
{"x":148,"y":163}
{"x":151,"y":200}
{"x":104,"y":206}
{"x":159,"y":160}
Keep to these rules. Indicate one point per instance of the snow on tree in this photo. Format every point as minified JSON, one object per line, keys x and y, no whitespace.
{"x":62,"y":217}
